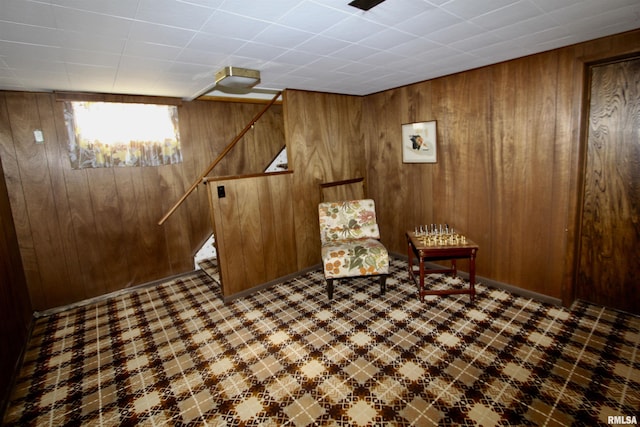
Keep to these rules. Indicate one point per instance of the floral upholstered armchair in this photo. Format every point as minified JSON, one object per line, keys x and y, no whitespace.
{"x":351,"y":242}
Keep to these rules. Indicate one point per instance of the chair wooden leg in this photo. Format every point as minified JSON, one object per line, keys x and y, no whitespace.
{"x":383,"y":283}
{"x":330,"y":288}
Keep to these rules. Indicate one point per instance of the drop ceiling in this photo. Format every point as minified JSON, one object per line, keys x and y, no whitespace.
{"x":174,"y":47}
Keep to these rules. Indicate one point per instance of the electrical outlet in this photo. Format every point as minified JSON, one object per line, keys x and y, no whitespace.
{"x":221,"y":193}
{"x":38,"y":136}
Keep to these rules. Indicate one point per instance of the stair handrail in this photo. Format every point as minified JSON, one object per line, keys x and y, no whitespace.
{"x":218,"y":159}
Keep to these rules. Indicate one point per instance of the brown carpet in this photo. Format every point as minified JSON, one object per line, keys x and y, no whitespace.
{"x":174,"y":354}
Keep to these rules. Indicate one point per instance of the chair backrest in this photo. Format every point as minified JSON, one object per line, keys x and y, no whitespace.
{"x":348,"y":220}
{"x":346,"y":189}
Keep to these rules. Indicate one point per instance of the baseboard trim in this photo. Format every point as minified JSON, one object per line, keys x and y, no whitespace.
{"x":55,"y":310}
{"x":498,"y":285}
{"x":485,"y":281}
{"x":269,"y":284}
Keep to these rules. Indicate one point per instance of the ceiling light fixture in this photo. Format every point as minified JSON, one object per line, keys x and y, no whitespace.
{"x":235,"y":77}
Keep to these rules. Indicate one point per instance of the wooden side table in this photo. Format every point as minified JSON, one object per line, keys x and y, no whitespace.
{"x":425,"y":252}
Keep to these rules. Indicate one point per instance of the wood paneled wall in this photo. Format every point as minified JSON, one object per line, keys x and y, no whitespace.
{"x":325,"y":143}
{"x":85,"y":233}
{"x":254,"y":229}
{"x":15,"y":305}
{"x":510,"y":162}
{"x":509,"y":175}
{"x":509,"y":168}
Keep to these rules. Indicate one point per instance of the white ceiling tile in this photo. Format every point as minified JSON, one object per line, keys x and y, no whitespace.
{"x":233,"y":26}
{"x":611,"y":17}
{"x":296,"y":57}
{"x":275,"y":68}
{"x":77,"y":72}
{"x":437,"y":2}
{"x":162,"y":34}
{"x":354,"y":52}
{"x":212,"y":4}
{"x":352,"y":29}
{"x":91,"y":42}
{"x":278,"y":35}
{"x":173,"y":46}
{"x":187,"y":57}
{"x":312,"y":17}
{"x":470,"y":9}
{"x":463,"y":60}
{"x":385,"y":39}
{"x":259,"y":51}
{"x":94,"y":58}
{"x":462,"y":30}
{"x":173,"y":13}
{"x":411,"y":67}
{"x":429,"y":22}
{"x":543,"y":46}
{"x":269,"y":11}
{"x":475,"y":42}
{"x":309,"y":72}
{"x":326,"y":63}
{"x":34,"y":63}
{"x":134,"y":65}
{"x":382,"y":58}
{"x":151,"y":50}
{"x":508,"y":15}
{"x":214,"y":43}
{"x":590,"y":9}
{"x":549,"y":5}
{"x":193,"y":72}
{"x":358,"y":68}
{"x":503,"y":50}
{"x":443,"y":54}
{"x":542,"y":37}
{"x":32,"y":13}
{"x":28,"y":34}
{"x":526,"y":27}
{"x":32,"y":77}
{"x":321,"y":45}
{"x":120,"y":8}
{"x":133,"y":84}
{"x":12,"y":51}
{"x":91,"y":23}
{"x":289,"y":80}
{"x":415,"y":47}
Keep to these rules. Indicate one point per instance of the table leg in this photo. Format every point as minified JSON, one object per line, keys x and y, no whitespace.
{"x":410,"y":258}
{"x":421,"y":290}
{"x":472,"y":274}
{"x":410,"y":249}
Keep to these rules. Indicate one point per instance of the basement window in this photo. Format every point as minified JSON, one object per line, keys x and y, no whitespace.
{"x":112,"y":134}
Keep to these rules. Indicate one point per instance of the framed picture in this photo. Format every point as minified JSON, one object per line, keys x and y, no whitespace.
{"x":419,"y":142}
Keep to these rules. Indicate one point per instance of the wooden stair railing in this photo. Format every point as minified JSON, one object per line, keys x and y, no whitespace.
{"x":218,"y":159}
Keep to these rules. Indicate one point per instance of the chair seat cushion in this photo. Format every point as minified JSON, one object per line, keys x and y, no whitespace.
{"x":357,"y":257}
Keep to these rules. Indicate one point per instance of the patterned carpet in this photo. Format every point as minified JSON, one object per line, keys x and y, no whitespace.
{"x":174,"y":354}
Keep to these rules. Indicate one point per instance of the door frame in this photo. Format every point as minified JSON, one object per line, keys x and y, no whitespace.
{"x":570,"y":286}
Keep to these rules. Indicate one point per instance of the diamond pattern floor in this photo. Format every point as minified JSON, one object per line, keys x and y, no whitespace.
{"x":175,"y":354}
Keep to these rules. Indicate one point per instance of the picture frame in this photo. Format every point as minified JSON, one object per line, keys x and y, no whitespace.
{"x":419,"y":142}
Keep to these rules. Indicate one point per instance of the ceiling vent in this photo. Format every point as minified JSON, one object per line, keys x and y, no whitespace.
{"x":365,"y":4}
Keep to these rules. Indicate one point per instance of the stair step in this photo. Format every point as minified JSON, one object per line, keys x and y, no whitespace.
{"x":210,"y":266}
